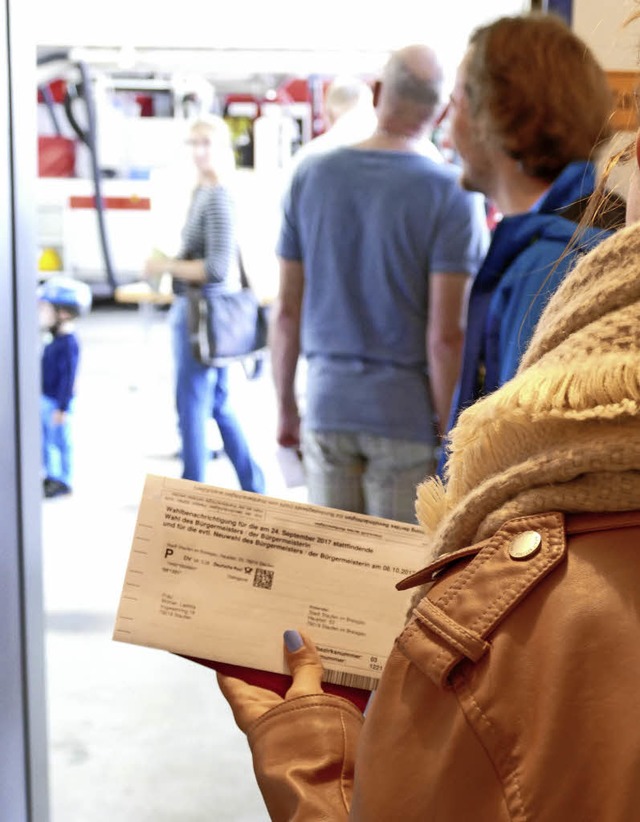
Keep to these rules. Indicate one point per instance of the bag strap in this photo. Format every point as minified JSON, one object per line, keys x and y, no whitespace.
{"x":244,"y":280}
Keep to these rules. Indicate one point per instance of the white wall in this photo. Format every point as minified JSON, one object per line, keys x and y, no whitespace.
{"x":258,"y":24}
{"x":346,"y":27}
{"x":350,"y":29}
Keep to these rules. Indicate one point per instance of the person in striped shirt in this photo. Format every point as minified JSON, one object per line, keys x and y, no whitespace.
{"x":209,"y":258}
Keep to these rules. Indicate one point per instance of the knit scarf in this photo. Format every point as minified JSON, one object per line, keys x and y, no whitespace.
{"x":564,"y":433}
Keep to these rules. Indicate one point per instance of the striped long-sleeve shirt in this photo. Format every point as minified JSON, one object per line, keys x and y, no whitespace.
{"x":209,"y":234}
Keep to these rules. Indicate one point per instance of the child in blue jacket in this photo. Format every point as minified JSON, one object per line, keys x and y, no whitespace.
{"x":62,"y":299}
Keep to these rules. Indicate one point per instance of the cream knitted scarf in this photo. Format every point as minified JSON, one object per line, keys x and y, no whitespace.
{"x":564,"y":433}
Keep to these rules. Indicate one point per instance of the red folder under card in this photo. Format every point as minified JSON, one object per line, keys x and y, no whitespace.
{"x":280,"y":683}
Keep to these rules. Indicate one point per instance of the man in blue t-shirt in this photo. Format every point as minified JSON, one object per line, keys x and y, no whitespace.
{"x":376,"y":248}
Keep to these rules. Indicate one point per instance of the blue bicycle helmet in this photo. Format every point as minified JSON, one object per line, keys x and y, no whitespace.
{"x":65,"y":292}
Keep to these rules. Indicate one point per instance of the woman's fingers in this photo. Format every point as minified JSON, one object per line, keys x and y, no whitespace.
{"x":248,"y":702}
{"x":304,"y":664}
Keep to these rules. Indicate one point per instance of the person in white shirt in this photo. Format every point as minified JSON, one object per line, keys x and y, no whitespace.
{"x":349,"y":114}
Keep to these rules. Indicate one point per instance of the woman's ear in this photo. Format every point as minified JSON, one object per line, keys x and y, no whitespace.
{"x":638,"y":149}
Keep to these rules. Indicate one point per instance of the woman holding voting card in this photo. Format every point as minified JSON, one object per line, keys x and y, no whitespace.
{"x":512,"y":692}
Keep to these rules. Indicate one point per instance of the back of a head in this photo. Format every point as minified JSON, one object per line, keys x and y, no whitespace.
{"x":345,"y":94}
{"x":538,"y":92}
{"x":412,"y":82}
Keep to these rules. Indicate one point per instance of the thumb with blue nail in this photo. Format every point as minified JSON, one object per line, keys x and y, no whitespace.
{"x":304,"y":663}
{"x":249,"y":702}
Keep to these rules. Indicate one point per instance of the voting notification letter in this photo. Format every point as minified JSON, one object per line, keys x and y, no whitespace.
{"x":221,"y":574}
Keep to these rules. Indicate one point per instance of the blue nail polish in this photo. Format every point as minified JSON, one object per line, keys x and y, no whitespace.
{"x":293,"y":641}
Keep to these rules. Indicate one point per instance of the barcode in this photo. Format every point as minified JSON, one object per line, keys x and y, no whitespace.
{"x":263,"y":579}
{"x":366,"y":683}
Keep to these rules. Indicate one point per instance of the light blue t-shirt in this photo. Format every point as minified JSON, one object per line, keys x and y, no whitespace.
{"x":370,"y":227}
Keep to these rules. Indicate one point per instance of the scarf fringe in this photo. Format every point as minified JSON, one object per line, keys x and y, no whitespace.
{"x":431,"y":504}
{"x":604,"y":390}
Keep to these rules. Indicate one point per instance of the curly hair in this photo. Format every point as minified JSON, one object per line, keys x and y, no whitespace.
{"x":538,"y":92}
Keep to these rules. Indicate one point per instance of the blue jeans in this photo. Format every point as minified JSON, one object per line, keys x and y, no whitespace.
{"x":366,"y":473}
{"x":201,"y":393}
{"x":57,"y":445}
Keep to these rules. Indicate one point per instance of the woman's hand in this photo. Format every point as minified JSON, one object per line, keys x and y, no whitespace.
{"x":156,"y":266}
{"x":249,"y":702}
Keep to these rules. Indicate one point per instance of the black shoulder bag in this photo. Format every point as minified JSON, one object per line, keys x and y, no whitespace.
{"x":226,"y":327}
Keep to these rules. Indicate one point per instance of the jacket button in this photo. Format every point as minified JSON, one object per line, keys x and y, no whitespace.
{"x":525,"y":545}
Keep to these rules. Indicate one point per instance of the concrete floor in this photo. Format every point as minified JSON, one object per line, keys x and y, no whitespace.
{"x":135,"y":734}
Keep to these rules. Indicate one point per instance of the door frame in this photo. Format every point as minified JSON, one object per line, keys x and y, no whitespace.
{"x":23,"y":765}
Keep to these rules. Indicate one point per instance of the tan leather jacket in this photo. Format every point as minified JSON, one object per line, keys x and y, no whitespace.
{"x":512,"y":694}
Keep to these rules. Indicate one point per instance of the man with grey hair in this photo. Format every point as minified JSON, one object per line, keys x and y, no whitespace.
{"x":346,"y":94}
{"x":349,"y":115}
{"x":376,"y":247}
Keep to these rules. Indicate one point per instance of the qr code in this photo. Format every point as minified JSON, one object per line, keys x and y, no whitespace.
{"x":263,"y":579}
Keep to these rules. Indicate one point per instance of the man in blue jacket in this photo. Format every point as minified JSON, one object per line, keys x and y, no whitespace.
{"x":529,"y":108}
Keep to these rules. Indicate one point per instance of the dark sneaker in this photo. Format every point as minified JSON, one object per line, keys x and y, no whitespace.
{"x":55,"y":488}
